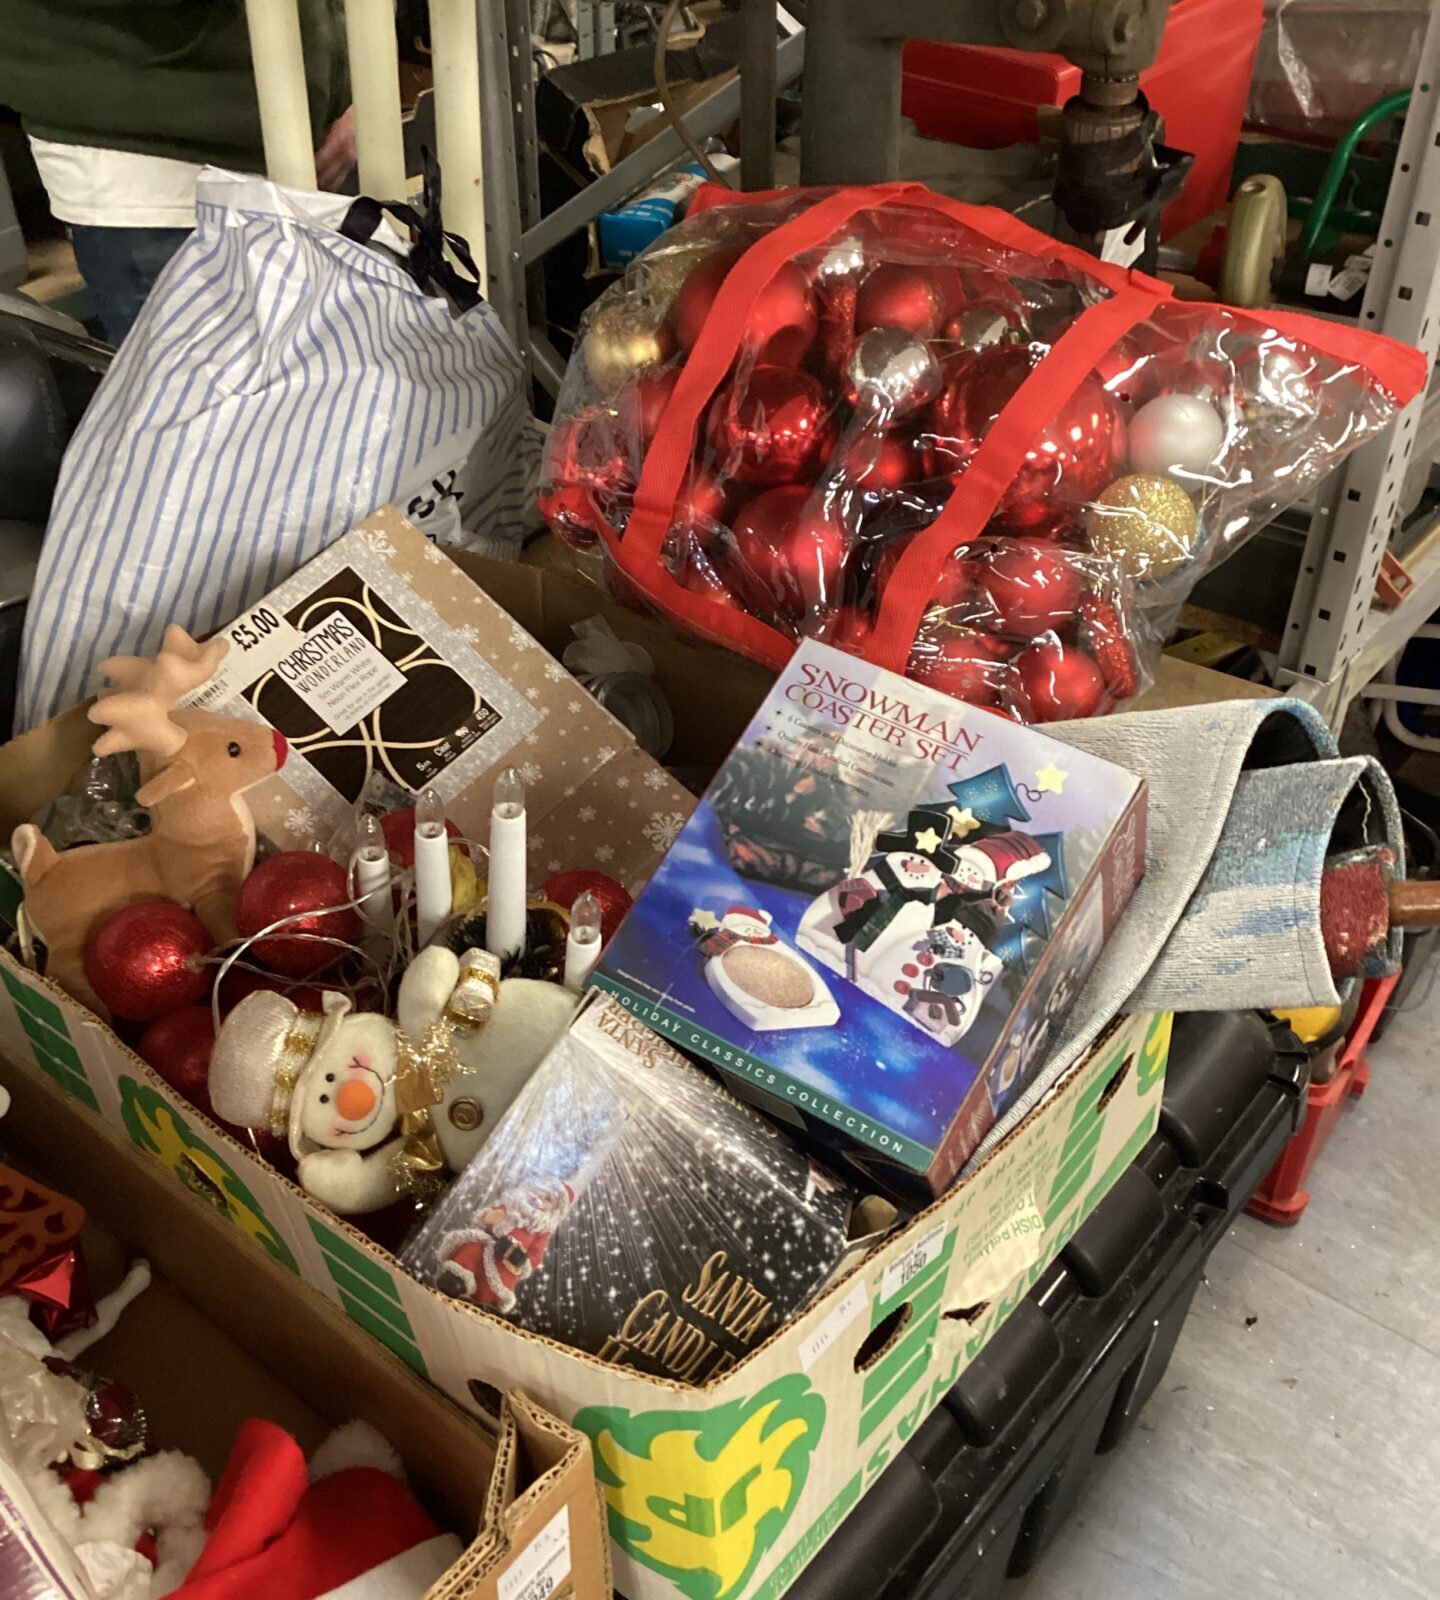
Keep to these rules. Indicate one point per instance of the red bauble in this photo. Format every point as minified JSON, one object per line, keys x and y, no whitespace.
{"x":299,"y":883}
{"x":771,"y":428}
{"x":849,"y":629}
{"x":919,"y":299}
{"x":399,"y":830}
{"x":1107,"y":638}
{"x":1129,"y":373}
{"x":881,"y":463}
{"x":957,"y":661}
{"x":703,"y":501}
{"x":1070,"y":460}
{"x":149,"y":959}
{"x":641,"y":403}
{"x":1033,"y":587}
{"x":565,"y":888}
{"x":787,"y":555}
{"x":592,"y":449}
{"x":1059,"y":682}
{"x":573,"y":515}
{"x":178,"y":1046}
{"x":956,"y":593}
{"x":780,"y":326}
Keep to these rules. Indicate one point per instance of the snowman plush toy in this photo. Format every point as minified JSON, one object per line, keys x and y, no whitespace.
{"x":756,"y":976}
{"x":325,"y":1083}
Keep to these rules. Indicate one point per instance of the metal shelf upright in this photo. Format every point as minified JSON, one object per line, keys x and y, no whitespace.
{"x":1335,"y":639}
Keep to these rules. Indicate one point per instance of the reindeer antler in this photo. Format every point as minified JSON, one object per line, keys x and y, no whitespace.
{"x":137,"y":708}
{"x":180,"y":666}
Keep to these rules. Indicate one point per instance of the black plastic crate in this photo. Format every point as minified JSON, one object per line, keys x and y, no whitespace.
{"x":990,"y":1477}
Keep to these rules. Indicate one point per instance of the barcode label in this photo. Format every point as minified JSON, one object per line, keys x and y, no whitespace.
{"x":543,"y":1565}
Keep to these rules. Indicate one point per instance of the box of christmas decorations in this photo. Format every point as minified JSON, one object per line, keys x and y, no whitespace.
{"x":893,"y":898}
{"x":354,"y":1028}
{"x":184,"y":1416}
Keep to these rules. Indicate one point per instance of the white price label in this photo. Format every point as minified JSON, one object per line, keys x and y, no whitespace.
{"x":259,"y":640}
{"x":543,"y":1565}
{"x":1317,"y":278}
{"x":913,"y":1262}
{"x":815,"y":1346}
{"x":338,"y":673}
{"x":1123,"y":246}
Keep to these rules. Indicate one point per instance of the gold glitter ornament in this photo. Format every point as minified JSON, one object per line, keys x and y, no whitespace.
{"x":656,"y":278}
{"x":623,"y":339}
{"x":1146,"y":523}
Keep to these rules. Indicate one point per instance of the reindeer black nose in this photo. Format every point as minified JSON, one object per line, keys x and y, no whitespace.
{"x":232,"y":748}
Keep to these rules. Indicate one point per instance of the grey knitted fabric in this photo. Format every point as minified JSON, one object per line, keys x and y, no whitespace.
{"x":1192,"y":759}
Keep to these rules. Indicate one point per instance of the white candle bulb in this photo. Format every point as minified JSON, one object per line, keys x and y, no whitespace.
{"x":371,"y":867}
{"x":582,"y":947}
{"x":432,"y":867}
{"x":505,"y":893}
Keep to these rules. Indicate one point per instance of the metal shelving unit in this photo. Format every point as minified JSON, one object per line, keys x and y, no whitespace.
{"x":517,"y":236}
{"x":1336,"y":640}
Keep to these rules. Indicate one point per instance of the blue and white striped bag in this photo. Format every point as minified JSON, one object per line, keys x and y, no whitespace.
{"x":281,"y":383}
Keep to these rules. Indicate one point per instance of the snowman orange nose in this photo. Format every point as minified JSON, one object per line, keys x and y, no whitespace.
{"x":355,"y":1100}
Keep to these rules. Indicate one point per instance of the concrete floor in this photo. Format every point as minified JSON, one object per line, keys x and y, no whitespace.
{"x":1299,"y":1455}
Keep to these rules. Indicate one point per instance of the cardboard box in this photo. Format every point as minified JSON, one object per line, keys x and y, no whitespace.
{"x":890,"y":900}
{"x":724,"y":1492}
{"x":224,"y":1333}
{"x":384,"y":668}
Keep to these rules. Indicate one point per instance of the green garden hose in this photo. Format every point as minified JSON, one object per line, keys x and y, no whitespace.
{"x":1390,"y":106}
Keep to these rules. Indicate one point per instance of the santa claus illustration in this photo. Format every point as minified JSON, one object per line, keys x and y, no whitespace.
{"x":486,"y":1263}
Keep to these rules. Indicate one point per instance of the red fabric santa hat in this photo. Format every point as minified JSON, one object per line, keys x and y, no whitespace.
{"x":273,"y":1534}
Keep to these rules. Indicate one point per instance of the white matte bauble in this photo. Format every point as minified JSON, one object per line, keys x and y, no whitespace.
{"x":1175,"y":433}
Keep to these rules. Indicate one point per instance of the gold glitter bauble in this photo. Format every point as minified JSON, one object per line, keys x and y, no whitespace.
{"x":623,"y":339}
{"x":1146,"y":523}
{"x":657,"y":277}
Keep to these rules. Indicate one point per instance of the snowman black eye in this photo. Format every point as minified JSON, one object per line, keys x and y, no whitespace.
{"x":324,"y":1099}
{"x":329,"y":1077}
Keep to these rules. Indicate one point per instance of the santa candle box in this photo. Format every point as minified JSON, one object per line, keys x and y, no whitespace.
{"x":628,"y":1205}
{"x":388,"y":671}
{"x":896,"y":999}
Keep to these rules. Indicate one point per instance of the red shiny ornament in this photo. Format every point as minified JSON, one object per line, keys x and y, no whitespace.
{"x":590,"y":449}
{"x":849,"y":629}
{"x":149,"y":959}
{"x":837,"y":322}
{"x":960,"y":662}
{"x":573,"y":515}
{"x":178,"y":1046}
{"x":1033,"y":587}
{"x":787,"y":556}
{"x":771,"y":428}
{"x":57,"y":1288}
{"x":565,"y":888}
{"x":956,"y":595}
{"x":641,"y":403}
{"x":304,"y":884}
{"x":781,"y":324}
{"x":881,"y":463}
{"x":1060,"y":682}
{"x":1070,"y":460}
{"x":1129,"y":374}
{"x":1108,"y":639}
{"x":919,"y":299}
{"x":703,"y":501}
{"x":398,"y":827}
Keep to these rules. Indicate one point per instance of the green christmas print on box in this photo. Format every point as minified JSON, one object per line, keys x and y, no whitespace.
{"x":700,"y":1496}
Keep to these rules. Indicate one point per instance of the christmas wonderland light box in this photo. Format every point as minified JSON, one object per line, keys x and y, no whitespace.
{"x":881,"y":911}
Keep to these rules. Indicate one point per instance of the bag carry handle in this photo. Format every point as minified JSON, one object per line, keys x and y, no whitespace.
{"x":426,"y":263}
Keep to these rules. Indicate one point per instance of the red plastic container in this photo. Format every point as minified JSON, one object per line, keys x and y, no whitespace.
{"x":1282,"y":1197}
{"x":986,"y":98}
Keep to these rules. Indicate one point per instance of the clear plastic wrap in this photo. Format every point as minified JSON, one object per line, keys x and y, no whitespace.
{"x":925,"y":433}
{"x":1321,"y":63}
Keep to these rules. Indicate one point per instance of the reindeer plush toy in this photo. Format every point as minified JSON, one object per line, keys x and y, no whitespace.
{"x":194,"y":766}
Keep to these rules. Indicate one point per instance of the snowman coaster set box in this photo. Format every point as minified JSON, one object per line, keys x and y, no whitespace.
{"x":891,"y":984}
